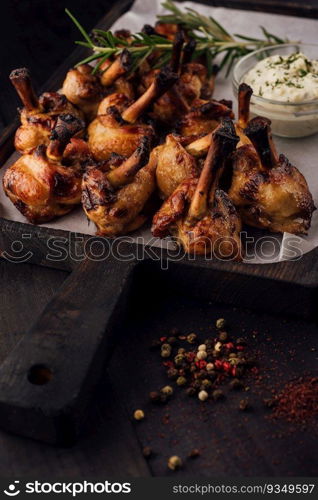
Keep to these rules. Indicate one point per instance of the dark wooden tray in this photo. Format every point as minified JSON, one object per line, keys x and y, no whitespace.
{"x":47,"y":381}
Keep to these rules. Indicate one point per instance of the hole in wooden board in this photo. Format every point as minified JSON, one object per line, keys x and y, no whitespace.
{"x":39,"y":375}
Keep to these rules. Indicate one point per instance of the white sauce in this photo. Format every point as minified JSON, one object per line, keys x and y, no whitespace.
{"x":292,"y":78}
{"x":289,"y":85}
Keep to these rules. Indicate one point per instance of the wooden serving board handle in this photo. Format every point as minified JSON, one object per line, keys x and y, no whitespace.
{"x":47,"y":380}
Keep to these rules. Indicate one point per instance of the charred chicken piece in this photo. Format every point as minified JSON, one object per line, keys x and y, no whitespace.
{"x":39,"y":115}
{"x":201,"y":216}
{"x":114,"y":197}
{"x":83,"y":89}
{"x":269,"y":192}
{"x":117,"y":128}
{"x":204,"y":117}
{"x":46,"y":183}
{"x":192,"y":77}
{"x":174,"y":164}
{"x":200,"y":146}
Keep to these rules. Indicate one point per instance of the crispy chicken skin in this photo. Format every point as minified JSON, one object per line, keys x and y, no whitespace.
{"x":192,"y":83}
{"x":118,"y":128}
{"x":83,"y":89}
{"x":203,"y":117}
{"x":46,"y":183}
{"x":109,"y":133}
{"x":114,"y":197}
{"x":174,"y":164}
{"x":198,"y":214}
{"x":39,"y":115}
{"x":269,"y":192}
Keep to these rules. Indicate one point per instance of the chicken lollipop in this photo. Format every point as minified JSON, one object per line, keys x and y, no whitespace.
{"x":117,"y":128}
{"x":46,"y":183}
{"x":269,"y":192}
{"x":198,"y":214}
{"x":115,"y":196}
{"x":174,"y":164}
{"x":39,"y":115}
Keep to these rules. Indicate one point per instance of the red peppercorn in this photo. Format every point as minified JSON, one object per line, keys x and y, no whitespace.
{"x":218,"y":364}
{"x":240,"y":348}
{"x":168,"y":364}
{"x":234,"y":371}
{"x":163,"y":339}
{"x":190,"y":356}
{"x":201,"y":364}
{"x":227,"y":367}
{"x":229,"y":345}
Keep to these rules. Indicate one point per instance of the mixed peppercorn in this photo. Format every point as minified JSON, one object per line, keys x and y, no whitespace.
{"x":202,"y":367}
{"x":209,"y":369}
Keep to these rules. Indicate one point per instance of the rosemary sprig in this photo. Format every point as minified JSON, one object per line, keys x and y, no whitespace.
{"x":212,"y":39}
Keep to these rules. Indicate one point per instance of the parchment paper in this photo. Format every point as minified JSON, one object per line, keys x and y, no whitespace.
{"x":303,"y":152}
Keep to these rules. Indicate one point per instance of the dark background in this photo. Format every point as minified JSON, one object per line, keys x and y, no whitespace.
{"x":38,"y":34}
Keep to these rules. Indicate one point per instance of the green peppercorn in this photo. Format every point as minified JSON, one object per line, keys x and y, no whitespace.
{"x":223,"y":336}
{"x":181,"y":350}
{"x":167,"y":390}
{"x":181,"y":381}
{"x":217,"y":394}
{"x":220,"y":323}
{"x":192,"y":338}
{"x":179,"y":359}
{"x":165,"y":353}
{"x":234,"y":361}
{"x":236,"y":384}
{"x":166,"y":350}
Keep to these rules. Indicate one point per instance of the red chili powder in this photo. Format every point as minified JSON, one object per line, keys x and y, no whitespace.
{"x":298,"y":401}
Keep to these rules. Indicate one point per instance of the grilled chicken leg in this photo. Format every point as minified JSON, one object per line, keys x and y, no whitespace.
{"x":201,"y":216}
{"x":269,"y":192}
{"x":47,"y":182}
{"x":115,"y":198}
{"x":116,"y":128}
{"x":39,"y":115}
{"x":174,"y":164}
